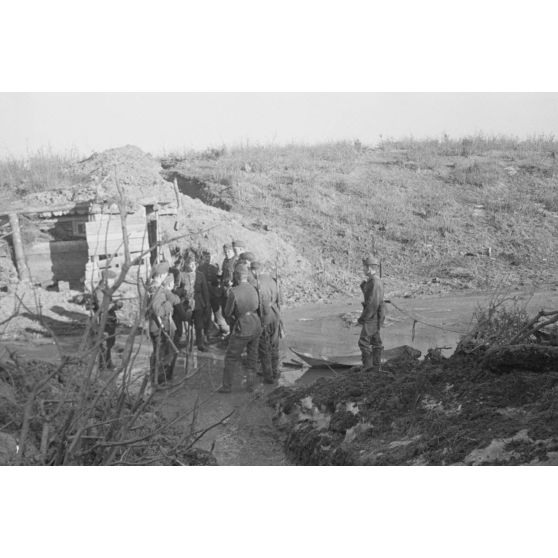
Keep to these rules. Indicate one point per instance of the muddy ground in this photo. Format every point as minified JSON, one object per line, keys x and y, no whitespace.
{"x":436,"y":411}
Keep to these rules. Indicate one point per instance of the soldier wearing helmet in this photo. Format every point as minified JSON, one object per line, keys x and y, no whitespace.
{"x":243,"y":262}
{"x":242,"y":312}
{"x":372,"y":317}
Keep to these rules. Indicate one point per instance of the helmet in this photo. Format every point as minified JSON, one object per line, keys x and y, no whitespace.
{"x":248,"y":256}
{"x":370,"y":260}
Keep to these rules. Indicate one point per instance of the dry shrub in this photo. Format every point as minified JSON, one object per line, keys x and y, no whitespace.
{"x":496,"y":324}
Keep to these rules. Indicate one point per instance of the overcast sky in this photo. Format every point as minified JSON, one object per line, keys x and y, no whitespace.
{"x":159,"y":122}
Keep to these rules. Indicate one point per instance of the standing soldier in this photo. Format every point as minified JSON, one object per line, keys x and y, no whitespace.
{"x":242,"y":312}
{"x":244,"y":260}
{"x":270,"y":316}
{"x":194,"y":285}
{"x":181,"y":313}
{"x":372,"y":317}
{"x":238,"y":247}
{"x":227,"y":273}
{"x":214,"y":314}
{"x":161,"y":327}
{"x":111,"y":320}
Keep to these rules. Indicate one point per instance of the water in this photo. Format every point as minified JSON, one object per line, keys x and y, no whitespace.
{"x":320,"y":330}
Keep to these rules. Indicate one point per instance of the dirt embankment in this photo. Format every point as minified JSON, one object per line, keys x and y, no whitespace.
{"x":442,"y":217}
{"x":436,"y":412}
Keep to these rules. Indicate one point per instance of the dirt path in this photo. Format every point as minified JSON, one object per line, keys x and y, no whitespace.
{"x":247,"y":437}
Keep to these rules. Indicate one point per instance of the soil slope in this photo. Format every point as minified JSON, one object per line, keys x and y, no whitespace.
{"x":443,"y":215}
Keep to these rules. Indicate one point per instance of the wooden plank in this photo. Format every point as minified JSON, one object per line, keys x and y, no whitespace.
{"x":105,"y":220}
{"x":98,"y":239}
{"x":110,"y":235}
{"x":115,"y":226}
{"x":57,"y":246}
{"x":117,"y":247}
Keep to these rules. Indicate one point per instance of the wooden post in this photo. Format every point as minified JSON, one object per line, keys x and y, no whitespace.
{"x":21,"y":264}
{"x":177,"y":194}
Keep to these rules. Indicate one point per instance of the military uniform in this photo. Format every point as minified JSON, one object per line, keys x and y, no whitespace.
{"x":244,"y":261}
{"x":161,"y":329}
{"x":268,"y":349}
{"x":194,"y":288}
{"x":372,"y":319}
{"x":211,"y":273}
{"x":227,"y":277}
{"x":242,"y":312}
{"x":109,"y":338}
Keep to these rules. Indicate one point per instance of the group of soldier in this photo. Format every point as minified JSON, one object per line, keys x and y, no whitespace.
{"x":239,"y":300}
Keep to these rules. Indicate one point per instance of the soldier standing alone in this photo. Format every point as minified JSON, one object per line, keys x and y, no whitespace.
{"x":372,"y":317}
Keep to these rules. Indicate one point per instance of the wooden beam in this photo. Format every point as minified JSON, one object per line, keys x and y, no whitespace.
{"x":21,"y":264}
{"x":177,"y":193}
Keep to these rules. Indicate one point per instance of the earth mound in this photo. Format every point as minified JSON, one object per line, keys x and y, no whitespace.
{"x":436,"y":412}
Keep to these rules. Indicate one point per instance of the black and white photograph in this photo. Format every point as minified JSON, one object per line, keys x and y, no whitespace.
{"x":278,"y":279}
{"x":344,"y":297}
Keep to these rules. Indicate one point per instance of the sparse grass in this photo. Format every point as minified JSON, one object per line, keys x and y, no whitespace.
{"x":413,"y":202}
{"x":410,"y":201}
{"x":38,"y":171}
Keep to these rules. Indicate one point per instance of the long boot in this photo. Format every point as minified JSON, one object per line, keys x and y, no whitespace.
{"x":229,"y":371}
{"x":367,"y":362}
{"x":377,"y":358}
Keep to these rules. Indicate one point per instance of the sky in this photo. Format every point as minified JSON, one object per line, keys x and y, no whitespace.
{"x":163,"y":122}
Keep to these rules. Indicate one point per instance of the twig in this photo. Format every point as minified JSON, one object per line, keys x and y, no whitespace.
{"x":206,"y":430}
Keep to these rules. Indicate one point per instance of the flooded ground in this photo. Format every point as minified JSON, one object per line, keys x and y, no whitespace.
{"x":247,"y":437}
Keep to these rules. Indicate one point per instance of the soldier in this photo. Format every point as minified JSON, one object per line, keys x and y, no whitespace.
{"x":181,"y":311}
{"x":227,"y":273}
{"x":270,"y":317}
{"x":245,"y":259}
{"x":242,"y":311}
{"x":161,"y":327}
{"x":196,"y":292}
{"x":214,"y":314}
{"x":111,"y":321}
{"x":372,"y":317}
{"x":238,"y":247}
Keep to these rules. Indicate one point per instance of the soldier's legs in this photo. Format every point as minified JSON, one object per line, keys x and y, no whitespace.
{"x":155,"y":359}
{"x":264,"y":353}
{"x":365,"y":346}
{"x":377,"y":350}
{"x":170,"y":360}
{"x":199,"y":317}
{"x":371,"y":348}
{"x":109,"y":344}
{"x":252,"y":360}
{"x":179,"y":327}
{"x":274,"y":346}
{"x":232,"y":361}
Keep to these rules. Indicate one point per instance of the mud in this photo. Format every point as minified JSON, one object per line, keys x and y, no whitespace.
{"x":436,"y":411}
